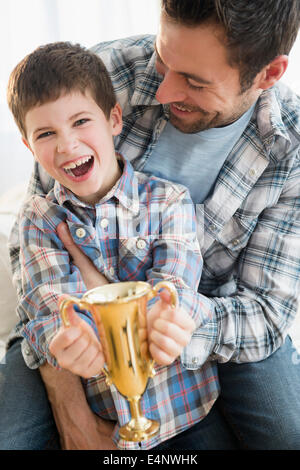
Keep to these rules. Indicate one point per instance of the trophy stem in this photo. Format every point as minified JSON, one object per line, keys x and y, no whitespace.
{"x":138,"y":428}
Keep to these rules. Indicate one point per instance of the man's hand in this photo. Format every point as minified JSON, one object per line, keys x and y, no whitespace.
{"x":91,"y":277}
{"x":77,"y":347}
{"x":169,"y":330}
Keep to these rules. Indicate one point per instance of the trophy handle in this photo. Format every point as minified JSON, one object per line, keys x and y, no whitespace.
{"x":63,"y":308}
{"x":174,"y":299}
{"x":165,"y":285}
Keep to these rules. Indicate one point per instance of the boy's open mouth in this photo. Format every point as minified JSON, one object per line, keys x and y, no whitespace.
{"x":79,"y":168}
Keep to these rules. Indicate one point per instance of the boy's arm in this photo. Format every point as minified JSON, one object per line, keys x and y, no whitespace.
{"x":78,"y":426}
{"x":176,"y":257}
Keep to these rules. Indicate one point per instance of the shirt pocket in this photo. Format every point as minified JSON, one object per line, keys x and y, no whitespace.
{"x":135,"y":258}
{"x":222,"y":257}
{"x":236,"y":233}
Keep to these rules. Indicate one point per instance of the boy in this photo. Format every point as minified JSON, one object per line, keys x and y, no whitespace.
{"x":132,"y":227}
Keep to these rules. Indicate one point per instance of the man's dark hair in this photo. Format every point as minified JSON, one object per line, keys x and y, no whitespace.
{"x":52,"y":70}
{"x":256,"y":31}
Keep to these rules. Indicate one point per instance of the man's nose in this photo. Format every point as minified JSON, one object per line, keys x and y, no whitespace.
{"x":171,"y":89}
{"x":66,"y":142}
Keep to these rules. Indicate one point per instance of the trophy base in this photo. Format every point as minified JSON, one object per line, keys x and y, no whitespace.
{"x":134,"y":433}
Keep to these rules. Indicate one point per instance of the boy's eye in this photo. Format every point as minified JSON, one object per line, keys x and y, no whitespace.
{"x":81,"y":121}
{"x":44,"y":134}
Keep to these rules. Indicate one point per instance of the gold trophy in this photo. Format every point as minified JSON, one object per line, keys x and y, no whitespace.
{"x":119,"y":311}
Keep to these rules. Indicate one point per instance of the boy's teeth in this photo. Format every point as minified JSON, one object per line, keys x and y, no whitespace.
{"x":77,"y":163}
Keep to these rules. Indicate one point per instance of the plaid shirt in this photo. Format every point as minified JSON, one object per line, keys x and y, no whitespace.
{"x":249,"y":228}
{"x":143,"y":229}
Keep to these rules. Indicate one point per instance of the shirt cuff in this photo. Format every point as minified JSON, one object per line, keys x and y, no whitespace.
{"x":201,"y":347}
{"x":38,"y":334}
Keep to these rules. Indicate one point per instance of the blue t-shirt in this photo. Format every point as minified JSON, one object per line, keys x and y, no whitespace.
{"x":195,"y":160}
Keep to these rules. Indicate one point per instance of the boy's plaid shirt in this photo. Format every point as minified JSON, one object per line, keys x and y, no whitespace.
{"x":249,"y":228}
{"x":143,"y":229}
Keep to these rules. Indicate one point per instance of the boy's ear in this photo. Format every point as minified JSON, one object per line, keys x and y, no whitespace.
{"x":273,"y":72}
{"x":116,"y":119}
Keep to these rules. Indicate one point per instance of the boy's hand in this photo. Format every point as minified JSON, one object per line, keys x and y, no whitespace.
{"x":77,"y":348}
{"x":169,"y":330}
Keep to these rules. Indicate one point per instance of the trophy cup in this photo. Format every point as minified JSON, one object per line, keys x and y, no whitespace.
{"x":119,"y":311}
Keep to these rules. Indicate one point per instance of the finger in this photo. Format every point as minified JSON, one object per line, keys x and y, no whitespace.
{"x":91,"y":276}
{"x":179,"y":317}
{"x":77,"y":354}
{"x":160,"y":357}
{"x":66,"y":238}
{"x":170,"y":331}
{"x":169,"y":337}
{"x":75,"y":334}
{"x":64,"y":339}
{"x":165,"y":296}
{"x":89,"y":363}
{"x":69,"y":317}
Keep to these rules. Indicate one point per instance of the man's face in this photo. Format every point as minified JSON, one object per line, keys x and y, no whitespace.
{"x":201,"y":88}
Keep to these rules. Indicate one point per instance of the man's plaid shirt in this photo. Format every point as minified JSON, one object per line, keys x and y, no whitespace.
{"x":249,"y":228}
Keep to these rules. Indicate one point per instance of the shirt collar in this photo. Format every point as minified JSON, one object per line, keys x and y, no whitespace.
{"x":147,"y":85}
{"x":269,"y":119}
{"x":125,"y":190}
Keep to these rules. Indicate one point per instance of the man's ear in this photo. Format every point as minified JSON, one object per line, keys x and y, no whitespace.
{"x":273,"y":72}
{"x":116,"y":119}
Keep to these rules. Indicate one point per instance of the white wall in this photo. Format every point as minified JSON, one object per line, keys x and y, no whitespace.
{"x":26,"y":24}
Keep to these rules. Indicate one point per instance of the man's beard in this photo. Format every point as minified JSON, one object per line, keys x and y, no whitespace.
{"x":208,"y":120}
{"x":196,"y":126}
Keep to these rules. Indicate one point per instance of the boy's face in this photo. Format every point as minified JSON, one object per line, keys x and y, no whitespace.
{"x":73,"y":141}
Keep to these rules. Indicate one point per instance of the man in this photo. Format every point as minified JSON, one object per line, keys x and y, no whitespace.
{"x":205,"y":110}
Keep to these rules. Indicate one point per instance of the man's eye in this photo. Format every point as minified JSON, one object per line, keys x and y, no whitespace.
{"x":44,"y":134}
{"x":194,"y":87}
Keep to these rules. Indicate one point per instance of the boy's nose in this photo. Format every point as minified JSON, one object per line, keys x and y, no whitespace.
{"x":66,"y":143}
{"x":170,"y":89}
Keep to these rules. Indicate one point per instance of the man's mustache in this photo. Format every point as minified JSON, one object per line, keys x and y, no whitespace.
{"x":191,"y":108}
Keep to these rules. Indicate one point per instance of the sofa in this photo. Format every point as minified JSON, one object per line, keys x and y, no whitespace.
{"x":10,"y":203}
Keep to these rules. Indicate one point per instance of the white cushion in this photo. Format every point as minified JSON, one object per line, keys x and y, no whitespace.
{"x":10,"y":203}
{"x":8,"y":299}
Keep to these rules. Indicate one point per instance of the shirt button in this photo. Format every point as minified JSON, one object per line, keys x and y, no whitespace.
{"x":104,"y":223}
{"x":236,"y":242}
{"x":252,"y":172}
{"x":112,"y":271}
{"x":212,"y":227}
{"x":195,"y":360}
{"x":141,"y":244}
{"x":27,"y":351}
{"x":80,"y":232}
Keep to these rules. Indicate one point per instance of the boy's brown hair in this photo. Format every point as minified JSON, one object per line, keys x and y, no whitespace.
{"x":53,"y":70}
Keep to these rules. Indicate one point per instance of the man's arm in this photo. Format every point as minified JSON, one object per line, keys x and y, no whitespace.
{"x":79,"y":428}
{"x":251,"y":323}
